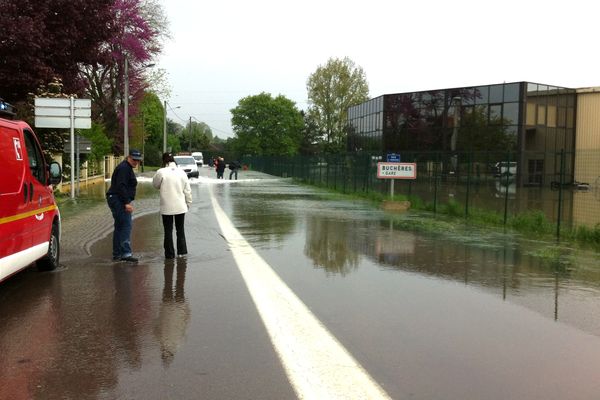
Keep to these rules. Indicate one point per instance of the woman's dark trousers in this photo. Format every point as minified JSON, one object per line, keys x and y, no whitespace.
{"x":168,"y":243}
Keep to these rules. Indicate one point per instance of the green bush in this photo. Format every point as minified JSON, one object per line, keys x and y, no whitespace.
{"x":534,"y":221}
{"x":588,"y":235}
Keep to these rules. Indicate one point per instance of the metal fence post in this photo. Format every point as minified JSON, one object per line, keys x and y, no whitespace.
{"x":560,"y":192}
{"x":469,"y":160}
{"x":507,"y":184}
{"x":435,"y":182}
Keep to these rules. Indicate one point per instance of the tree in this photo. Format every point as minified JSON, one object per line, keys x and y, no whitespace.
{"x":195,"y":137}
{"x":312,"y":137}
{"x":101,"y":144}
{"x":174,"y":132}
{"x":136,"y":32}
{"x":264,"y":125}
{"x":331,"y":90}
{"x":147,"y":128}
{"x":82,"y":43}
{"x":47,"y":39}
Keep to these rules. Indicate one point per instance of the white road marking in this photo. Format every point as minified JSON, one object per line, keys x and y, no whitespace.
{"x":317,"y":365}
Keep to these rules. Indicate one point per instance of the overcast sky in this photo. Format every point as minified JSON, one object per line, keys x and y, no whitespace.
{"x":224,"y":50}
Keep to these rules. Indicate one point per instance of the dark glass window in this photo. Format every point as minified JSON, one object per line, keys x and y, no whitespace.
{"x":481,"y":95}
{"x":467,"y":115}
{"x":495,"y":114}
{"x":467,"y":96}
{"x":511,"y":114}
{"x":36,"y":159}
{"x":496,"y":93}
{"x":511,"y":92}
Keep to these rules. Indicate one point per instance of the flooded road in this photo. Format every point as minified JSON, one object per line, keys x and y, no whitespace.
{"x":427,"y":313}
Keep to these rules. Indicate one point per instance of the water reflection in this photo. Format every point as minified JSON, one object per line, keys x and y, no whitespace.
{"x":174,"y":311}
{"x":337,"y":236}
{"x":127,"y":316}
{"x":493,"y":262}
{"x":27,"y":336}
{"x":332,"y":244}
{"x":264,"y":216}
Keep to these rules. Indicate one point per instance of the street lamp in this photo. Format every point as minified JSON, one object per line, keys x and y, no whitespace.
{"x":126,"y":112}
{"x":126,"y":106}
{"x":165,"y":126}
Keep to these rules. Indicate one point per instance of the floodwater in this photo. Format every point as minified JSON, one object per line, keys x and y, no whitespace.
{"x":431,"y":310}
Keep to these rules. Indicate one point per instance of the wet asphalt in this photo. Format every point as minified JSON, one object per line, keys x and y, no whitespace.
{"x":455,"y":314}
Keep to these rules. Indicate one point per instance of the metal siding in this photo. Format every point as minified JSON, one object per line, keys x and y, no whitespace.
{"x":587,"y":142}
{"x":588,"y":121}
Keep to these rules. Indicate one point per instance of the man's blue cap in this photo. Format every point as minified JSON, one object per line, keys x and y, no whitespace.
{"x":135,"y":154}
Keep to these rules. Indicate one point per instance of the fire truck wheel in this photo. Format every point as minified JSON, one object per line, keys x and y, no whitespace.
{"x":50,"y":261}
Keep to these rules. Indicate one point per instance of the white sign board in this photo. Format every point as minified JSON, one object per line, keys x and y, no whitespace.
{"x":64,"y":113}
{"x":394,"y":170}
{"x":56,"y":113}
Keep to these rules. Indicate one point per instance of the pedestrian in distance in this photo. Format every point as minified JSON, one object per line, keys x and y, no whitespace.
{"x":119,"y":197}
{"x":175,"y":201}
{"x":234,"y":166}
{"x":220,"y":167}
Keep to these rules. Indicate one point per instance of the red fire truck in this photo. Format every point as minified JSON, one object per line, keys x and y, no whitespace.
{"x":29,"y":217}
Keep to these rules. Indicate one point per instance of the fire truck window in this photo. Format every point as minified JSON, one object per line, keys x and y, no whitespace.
{"x":36,"y":160}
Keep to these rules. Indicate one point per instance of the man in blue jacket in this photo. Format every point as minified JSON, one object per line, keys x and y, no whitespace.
{"x":120,"y":196}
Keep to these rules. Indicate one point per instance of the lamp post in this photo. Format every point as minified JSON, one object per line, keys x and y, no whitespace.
{"x":143,"y":138}
{"x":126,"y":107}
{"x":126,"y":112}
{"x":165,"y":126}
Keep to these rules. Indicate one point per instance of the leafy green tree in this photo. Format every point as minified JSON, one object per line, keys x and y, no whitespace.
{"x":312,"y":137}
{"x":147,"y":128}
{"x":333,"y":88}
{"x":174,"y":133}
{"x":195,"y":136}
{"x":264,"y":125}
{"x":101,"y":144}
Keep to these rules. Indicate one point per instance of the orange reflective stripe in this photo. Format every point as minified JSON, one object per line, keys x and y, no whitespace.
{"x":27,"y":214}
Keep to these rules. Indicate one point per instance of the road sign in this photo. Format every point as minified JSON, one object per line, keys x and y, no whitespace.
{"x":56,"y":113}
{"x":64,"y":113}
{"x":84,"y":145}
{"x":393,"y":157}
{"x":394,"y":170}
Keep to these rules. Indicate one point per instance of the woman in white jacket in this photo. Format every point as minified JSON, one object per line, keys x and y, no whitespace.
{"x":175,"y":201}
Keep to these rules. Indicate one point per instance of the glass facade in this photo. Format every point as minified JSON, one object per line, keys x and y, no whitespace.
{"x":520,"y":117}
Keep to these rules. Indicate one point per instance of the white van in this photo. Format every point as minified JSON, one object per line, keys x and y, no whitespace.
{"x":198,"y":157}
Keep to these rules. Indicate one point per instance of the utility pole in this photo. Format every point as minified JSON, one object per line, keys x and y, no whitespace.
{"x":190,"y":135}
{"x":126,"y":112}
{"x":165,"y":127}
{"x":143,"y":137}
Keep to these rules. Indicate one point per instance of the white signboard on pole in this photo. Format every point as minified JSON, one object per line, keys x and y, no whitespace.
{"x":56,"y":113}
{"x":64,"y":113}
{"x":394,"y":170}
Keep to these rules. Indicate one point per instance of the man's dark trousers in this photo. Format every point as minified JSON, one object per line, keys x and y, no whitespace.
{"x":123,"y":225}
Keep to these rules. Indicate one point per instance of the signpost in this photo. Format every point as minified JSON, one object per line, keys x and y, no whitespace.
{"x":396,"y":170}
{"x":393,"y":157}
{"x":64,"y":113}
